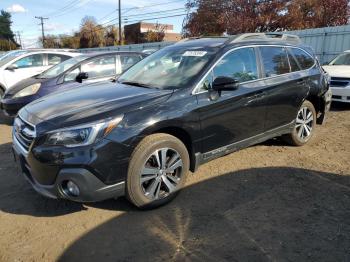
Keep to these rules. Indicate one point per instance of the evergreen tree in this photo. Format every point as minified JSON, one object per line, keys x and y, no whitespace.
{"x":7,"y":40}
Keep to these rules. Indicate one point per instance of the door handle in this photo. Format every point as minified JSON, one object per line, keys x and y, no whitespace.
{"x":255,"y":96}
{"x":259,"y":94}
{"x":301,"y":82}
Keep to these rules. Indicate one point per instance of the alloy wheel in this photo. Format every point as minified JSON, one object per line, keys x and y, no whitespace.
{"x":304,"y":123}
{"x":161,"y":173}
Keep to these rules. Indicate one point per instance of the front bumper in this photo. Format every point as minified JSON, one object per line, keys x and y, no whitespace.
{"x":11,"y":106}
{"x":91,"y":188}
{"x":341,"y":94}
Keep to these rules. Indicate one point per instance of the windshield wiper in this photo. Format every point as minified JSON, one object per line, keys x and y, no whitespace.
{"x":136,"y":84}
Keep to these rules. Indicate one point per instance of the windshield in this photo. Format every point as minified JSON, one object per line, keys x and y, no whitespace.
{"x":343,"y":59}
{"x":9,"y":56}
{"x":62,"y":67}
{"x":171,"y":67}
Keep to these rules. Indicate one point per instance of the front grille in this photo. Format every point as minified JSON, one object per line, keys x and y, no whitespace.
{"x":340,"y":81}
{"x":24,"y":133}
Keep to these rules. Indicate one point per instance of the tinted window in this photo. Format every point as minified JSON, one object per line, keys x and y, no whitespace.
{"x":275,"y":61}
{"x":128,"y":61}
{"x":293,"y":63}
{"x":305,"y":60}
{"x":54,"y":59}
{"x":239,"y":64}
{"x":30,"y":61}
{"x":100,"y":67}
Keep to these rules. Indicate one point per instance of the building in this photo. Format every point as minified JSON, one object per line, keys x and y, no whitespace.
{"x":137,"y":33}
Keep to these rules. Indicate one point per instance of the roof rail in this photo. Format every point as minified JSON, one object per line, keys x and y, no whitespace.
{"x":294,"y":39}
{"x":199,"y":37}
{"x":51,"y":49}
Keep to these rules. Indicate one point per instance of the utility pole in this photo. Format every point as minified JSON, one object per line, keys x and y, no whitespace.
{"x":9,"y":42}
{"x":19,"y":39}
{"x":120,"y":22}
{"x":42,"y":28}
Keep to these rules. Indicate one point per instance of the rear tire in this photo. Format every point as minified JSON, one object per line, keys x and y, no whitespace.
{"x":157,"y":171}
{"x":304,"y":125}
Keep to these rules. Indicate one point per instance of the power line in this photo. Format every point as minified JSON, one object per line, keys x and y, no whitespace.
{"x":134,"y":16}
{"x":146,"y":6}
{"x":154,"y":18}
{"x":74,"y":5}
{"x":109,"y":14}
{"x":157,"y":12}
{"x":64,"y":8}
{"x":144,"y":15}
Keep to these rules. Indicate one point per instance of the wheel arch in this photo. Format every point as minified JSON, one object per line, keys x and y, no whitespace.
{"x":184,"y":137}
{"x":319,"y":105}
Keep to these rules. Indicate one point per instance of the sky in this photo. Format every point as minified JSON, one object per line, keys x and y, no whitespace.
{"x":65,"y":16}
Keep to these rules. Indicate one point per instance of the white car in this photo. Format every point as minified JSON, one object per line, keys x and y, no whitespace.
{"x":19,"y":65}
{"x":339,"y":72}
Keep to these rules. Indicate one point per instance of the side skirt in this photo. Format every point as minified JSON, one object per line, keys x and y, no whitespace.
{"x":202,"y":158}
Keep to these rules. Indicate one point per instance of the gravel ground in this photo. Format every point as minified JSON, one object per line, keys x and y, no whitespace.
{"x":269,"y":202}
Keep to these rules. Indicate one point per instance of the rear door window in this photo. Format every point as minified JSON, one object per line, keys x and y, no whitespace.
{"x":293,"y":63}
{"x":127,"y":61}
{"x":274,"y":60}
{"x":54,"y":59}
{"x":305,"y":60}
{"x":30,"y":61}
{"x":100,"y":67}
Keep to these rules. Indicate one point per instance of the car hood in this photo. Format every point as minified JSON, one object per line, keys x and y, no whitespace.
{"x":90,"y":103}
{"x":338,"y":70}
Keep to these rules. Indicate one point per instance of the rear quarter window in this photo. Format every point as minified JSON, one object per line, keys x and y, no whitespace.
{"x":294,"y":66}
{"x":305,"y":61}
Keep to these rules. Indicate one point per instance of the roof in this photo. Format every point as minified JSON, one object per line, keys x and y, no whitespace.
{"x":97,"y":53}
{"x":271,"y":38}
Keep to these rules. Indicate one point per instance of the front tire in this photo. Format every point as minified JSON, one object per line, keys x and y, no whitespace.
{"x":304,"y":125}
{"x":157,"y":171}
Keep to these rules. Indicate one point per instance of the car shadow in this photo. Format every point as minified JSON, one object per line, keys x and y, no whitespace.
{"x":263,"y":214}
{"x":258,"y":214}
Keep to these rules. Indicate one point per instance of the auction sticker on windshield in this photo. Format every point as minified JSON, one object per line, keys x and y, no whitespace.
{"x":195,"y":53}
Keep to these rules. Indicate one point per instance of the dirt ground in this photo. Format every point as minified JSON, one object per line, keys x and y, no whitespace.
{"x":270,"y":202}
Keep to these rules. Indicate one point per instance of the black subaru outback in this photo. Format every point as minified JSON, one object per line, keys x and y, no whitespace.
{"x":175,"y":110}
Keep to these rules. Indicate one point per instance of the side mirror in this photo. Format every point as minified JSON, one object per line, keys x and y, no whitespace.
{"x":222,"y":83}
{"x":81,"y":77}
{"x":12,"y":67}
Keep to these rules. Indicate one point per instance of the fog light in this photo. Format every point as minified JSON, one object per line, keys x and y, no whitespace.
{"x":73,"y":189}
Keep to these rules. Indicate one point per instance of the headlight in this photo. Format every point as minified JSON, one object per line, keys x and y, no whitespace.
{"x":82,"y":135}
{"x":29,"y":90}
